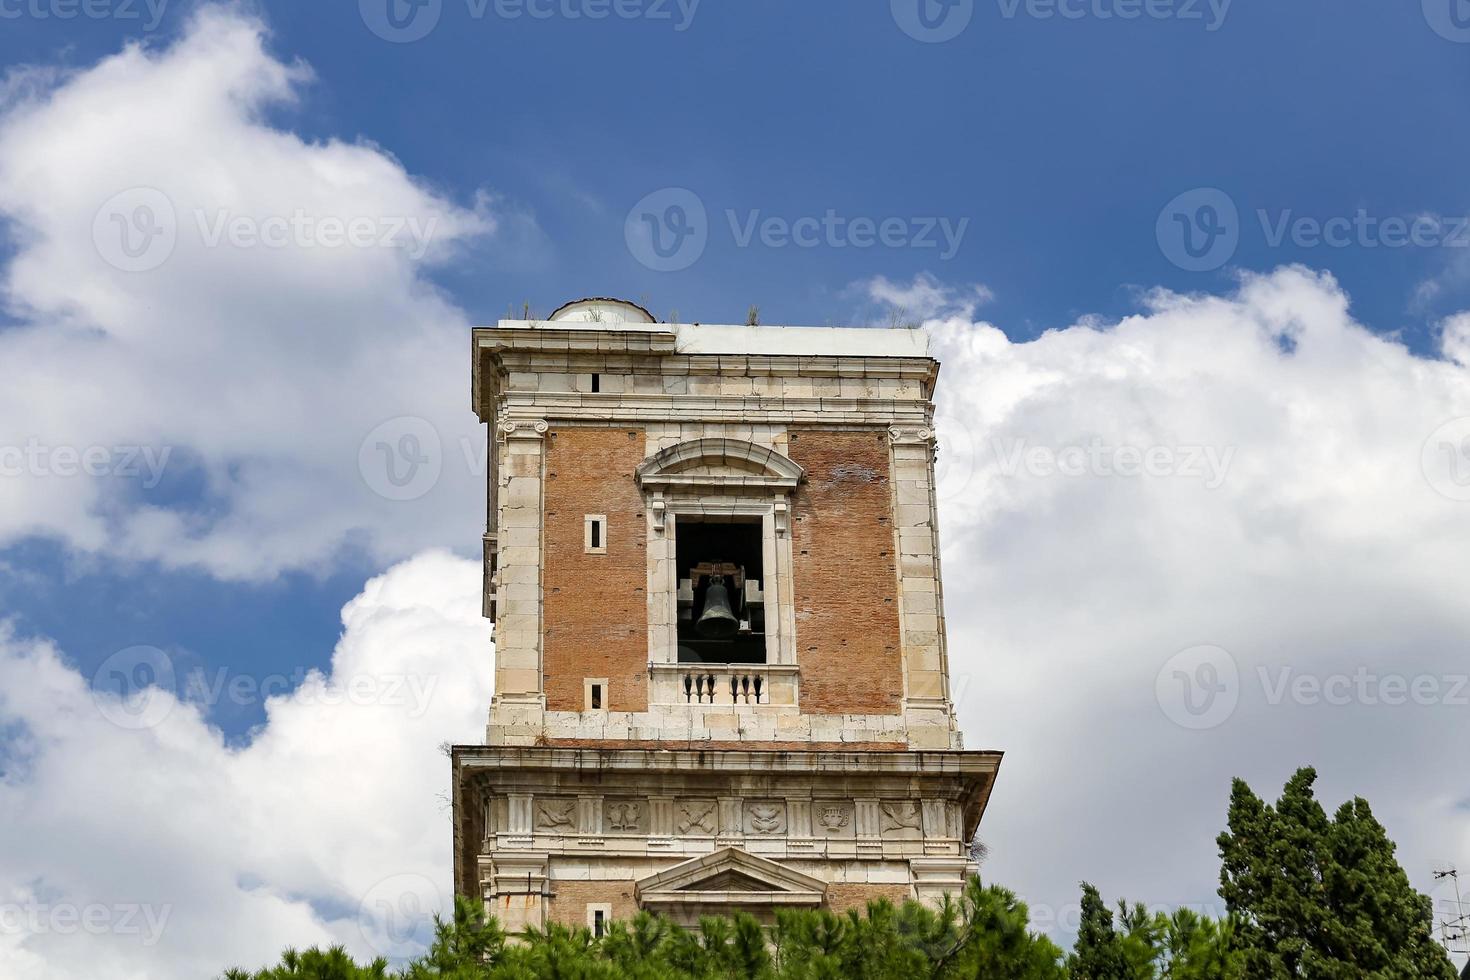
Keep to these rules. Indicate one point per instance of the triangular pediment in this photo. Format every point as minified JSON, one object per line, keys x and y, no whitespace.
{"x":727,"y":881}
{"x":730,"y":876}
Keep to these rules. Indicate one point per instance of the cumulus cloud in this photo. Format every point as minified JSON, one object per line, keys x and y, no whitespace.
{"x":232,"y":357}
{"x":138,"y":844}
{"x":1224,"y":537}
{"x":925,"y":297}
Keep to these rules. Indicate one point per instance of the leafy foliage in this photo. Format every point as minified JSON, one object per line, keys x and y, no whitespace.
{"x":1309,"y":898}
{"x":1322,"y":898}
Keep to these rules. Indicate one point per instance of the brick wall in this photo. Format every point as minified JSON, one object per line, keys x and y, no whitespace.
{"x":841,"y":897}
{"x":569,"y":905}
{"x":595,"y":606}
{"x":847,"y":632}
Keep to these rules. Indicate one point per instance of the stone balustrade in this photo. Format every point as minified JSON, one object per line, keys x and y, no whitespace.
{"x":725,"y":685}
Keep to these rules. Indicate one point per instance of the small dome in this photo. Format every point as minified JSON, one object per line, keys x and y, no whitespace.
{"x":601,"y":309}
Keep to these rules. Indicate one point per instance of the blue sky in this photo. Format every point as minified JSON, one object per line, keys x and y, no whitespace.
{"x":1058,"y":140}
{"x":1036,"y":180}
{"x":1051,"y":144}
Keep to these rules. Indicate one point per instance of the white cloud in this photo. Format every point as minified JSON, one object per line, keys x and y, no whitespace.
{"x":1336,"y":547}
{"x":187,"y":856}
{"x":247,"y":343}
{"x":924,"y":298}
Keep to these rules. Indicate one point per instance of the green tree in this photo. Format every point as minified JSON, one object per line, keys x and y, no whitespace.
{"x":316,"y":964}
{"x":1322,"y":898}
{"x":1099,"y":954}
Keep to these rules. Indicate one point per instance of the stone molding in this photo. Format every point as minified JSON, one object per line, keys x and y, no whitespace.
{"x":685,"y":885}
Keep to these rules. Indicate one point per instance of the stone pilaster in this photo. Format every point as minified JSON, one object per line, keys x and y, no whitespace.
{"x":518,"y":709}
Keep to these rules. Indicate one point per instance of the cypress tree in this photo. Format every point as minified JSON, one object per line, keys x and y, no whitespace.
{"x":1322,"y":898}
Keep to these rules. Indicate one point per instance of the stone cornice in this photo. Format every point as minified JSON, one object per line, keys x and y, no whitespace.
{"x":936,"y":762}
{"x":737,"y":409}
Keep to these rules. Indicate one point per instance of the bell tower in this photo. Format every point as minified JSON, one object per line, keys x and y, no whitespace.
{"x":721,"y":674}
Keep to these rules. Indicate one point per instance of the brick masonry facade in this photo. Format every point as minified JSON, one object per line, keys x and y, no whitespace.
{"x":595,"y":605}
{"x":847,"y":631}
{"x":822,"y":766}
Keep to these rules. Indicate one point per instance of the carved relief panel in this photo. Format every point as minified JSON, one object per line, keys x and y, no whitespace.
{"x":625,"y":816}
{"x":902,"y":819}
{"x":556,"y":815}
{"x":765,"y":817}
{"x":696,"y":817}
{"x":832,"y":818}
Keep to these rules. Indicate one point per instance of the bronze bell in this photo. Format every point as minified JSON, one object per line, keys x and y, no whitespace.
{"x":717,"y":622}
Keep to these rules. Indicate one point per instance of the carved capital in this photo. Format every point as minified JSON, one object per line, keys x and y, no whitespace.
{"x":910,"y":435}
{"x":523,"y":428}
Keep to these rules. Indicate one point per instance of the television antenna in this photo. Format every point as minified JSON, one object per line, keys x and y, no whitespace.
{"x":1454,"y":922}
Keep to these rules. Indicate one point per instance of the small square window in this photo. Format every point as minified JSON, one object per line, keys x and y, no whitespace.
{"x":594,"y":534}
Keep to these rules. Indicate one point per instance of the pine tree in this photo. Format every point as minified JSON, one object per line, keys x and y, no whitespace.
{"x":1322,"y":898}
{"x":1099,"y":953}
